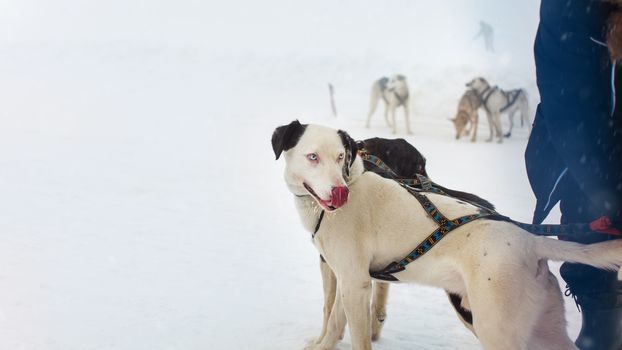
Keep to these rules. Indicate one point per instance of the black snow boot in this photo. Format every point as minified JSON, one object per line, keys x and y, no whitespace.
{"x":599,"y":296}
{"x":601,"y":329}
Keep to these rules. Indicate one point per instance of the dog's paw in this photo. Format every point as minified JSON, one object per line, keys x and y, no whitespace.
{"x":313,"y":340}
{"x":315,"y":347}
{"x":376,"y":327}
{"x":312,"y":343}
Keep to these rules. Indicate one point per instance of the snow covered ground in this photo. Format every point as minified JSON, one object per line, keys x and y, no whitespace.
{"x":140,"y":203}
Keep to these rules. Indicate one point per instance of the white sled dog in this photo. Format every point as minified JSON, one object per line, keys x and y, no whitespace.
{"x":395,"y":93}
{"x":361,"y":222}
{"x":496,"y":101}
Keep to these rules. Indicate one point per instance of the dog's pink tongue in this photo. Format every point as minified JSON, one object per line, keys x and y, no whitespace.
{"x":339,"y":196}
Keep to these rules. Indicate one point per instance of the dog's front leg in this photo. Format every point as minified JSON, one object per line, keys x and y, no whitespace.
{"x":356,"y":294}
{"x":469,"y":128}
{"x":329,"y":284}
{"x":407,"y":116}
{"x":474,"y":120}
{"x":511,"y":117}
{"x":379,"y":308}
{"x":386,"y":115}
{"x":392,"y":118}
{"x":373,"y":104}
{"x":490,"y":126}
{"x":335,"y":326}
{"x":497,"y":121}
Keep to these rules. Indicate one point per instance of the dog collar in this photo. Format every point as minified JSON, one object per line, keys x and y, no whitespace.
{"x":317,"y":226}
{"x":319,"y":220}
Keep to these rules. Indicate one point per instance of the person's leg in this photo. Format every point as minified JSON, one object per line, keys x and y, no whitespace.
{"x":574,"y":135}
{"x":598,"y":293}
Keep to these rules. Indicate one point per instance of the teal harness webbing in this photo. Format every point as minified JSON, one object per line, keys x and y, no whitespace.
{"x":421,"y":182}
{"x":445,"y":225}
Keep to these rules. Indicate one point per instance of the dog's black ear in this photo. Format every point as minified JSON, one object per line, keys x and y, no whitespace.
{"x":351,"y":149}
{"x":286,"y":137}
{"x":360,"y":144}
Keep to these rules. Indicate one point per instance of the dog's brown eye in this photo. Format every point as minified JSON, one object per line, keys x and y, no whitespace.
{"x":312,"y":157}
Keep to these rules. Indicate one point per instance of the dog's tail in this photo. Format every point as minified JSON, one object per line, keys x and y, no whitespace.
{"x":374,"y":97}
{"x":604,"y":255}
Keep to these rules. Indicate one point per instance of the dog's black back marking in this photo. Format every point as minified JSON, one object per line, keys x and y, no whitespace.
{"x":286,"y":137}
{"x":398,"y":154}
{"x":406,"y":161}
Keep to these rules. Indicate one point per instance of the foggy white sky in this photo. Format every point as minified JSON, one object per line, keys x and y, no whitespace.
{"x":415,"y":28}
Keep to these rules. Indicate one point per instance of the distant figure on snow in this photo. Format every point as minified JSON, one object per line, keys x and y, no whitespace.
{"x":487,"y":32}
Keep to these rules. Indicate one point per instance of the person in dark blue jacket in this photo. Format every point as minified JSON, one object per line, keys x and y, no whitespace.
{"x":574,"y":153}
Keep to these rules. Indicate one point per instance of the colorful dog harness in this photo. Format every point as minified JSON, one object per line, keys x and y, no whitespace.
{"x":445,"y":225}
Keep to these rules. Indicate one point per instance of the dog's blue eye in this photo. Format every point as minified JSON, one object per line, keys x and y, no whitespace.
{"x":312,"y":157}
{"x":341,"y":156}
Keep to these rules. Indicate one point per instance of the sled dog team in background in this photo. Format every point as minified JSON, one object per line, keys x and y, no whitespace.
{"x":394,"y":92}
